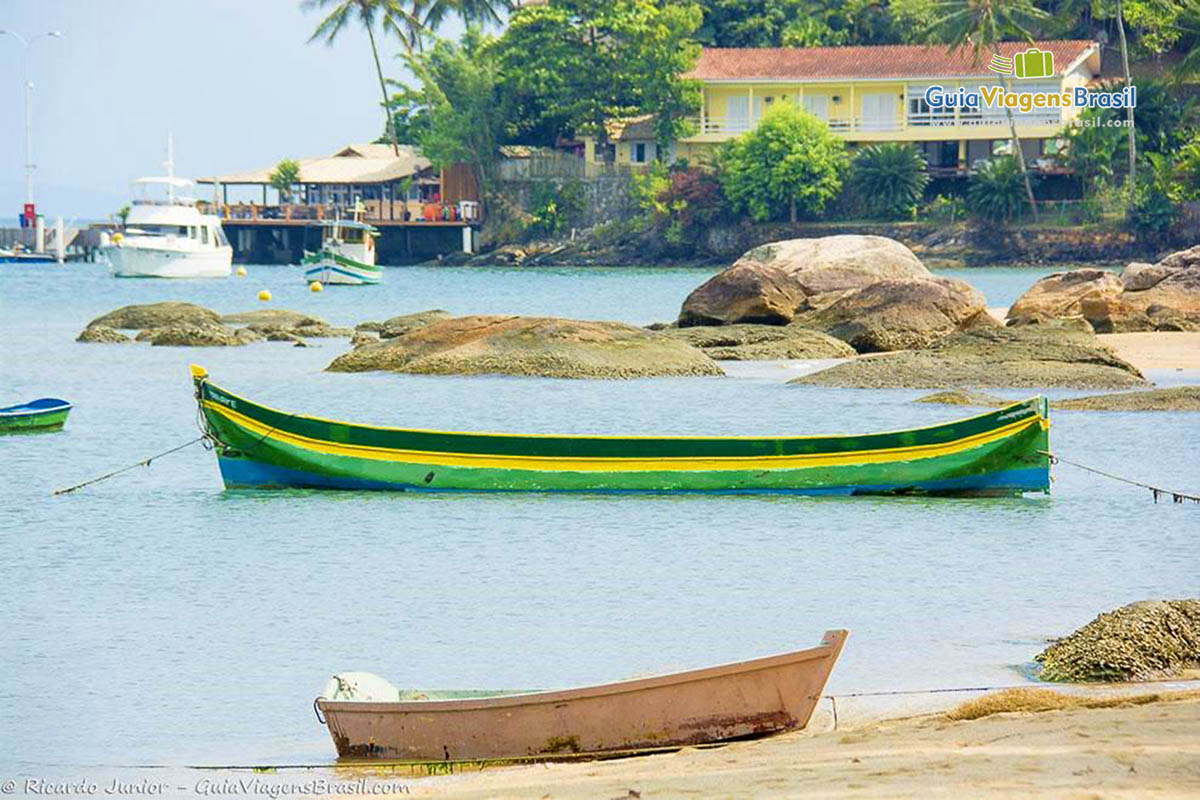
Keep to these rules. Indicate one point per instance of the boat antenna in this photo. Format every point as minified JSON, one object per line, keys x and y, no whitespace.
{"x":170,"y":165}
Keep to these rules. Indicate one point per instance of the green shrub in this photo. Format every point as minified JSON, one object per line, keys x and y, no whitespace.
{"x":945,"y":209}
{"x":789,"y":165}
{"x":1152,"y":211}
{"x":678,"y":204}
{"x":890,"y":178}
{"x":997,"y":190}
{"x":556,"y":207}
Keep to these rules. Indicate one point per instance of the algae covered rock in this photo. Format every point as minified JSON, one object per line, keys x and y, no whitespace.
{"x":1141,"y":641}
{"x":157,"y":315}
{"x":102,"y":334}
{"x":989,"y":357}
{"x":761,"y":342}
{"x":516,"y":345}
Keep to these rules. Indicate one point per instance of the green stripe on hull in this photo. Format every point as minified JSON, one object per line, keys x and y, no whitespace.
{"x":35,"y":423}
{"x":996,"y":452}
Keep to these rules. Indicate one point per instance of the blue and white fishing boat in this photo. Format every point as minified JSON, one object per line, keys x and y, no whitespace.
{"x":347,"y":254}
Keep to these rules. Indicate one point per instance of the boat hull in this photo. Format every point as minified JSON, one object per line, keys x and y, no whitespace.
{"x":732,"y":701}
{"x":146,"y":262}
{"x":333,"y":269}
{"x":999,"y":453}
{"x":40,"y":416}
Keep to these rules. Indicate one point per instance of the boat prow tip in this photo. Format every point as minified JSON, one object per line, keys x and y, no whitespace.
{"x":198,"y":371}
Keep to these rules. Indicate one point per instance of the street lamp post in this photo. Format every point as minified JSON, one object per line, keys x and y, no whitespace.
{"x":29,"y":165}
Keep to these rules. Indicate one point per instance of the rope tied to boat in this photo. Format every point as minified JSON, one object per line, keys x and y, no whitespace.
{"x":1155,"y":491}
{"x":145,"y":462}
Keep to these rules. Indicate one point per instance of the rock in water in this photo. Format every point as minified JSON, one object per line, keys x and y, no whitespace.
{"x":202,"y":336}
{"x":1141,"y":641}
{"x":761,"y":342}
{"x":157,"y":315}
{"x":264,"y":319}
{"x":1176,"y":398}
{"x":771,"y":282}
{"x":964,"y":397}
{"x":901,"y":314}
{"x":102,"y":334}
{"x":990,"y":357}
{"x":514,"y":345}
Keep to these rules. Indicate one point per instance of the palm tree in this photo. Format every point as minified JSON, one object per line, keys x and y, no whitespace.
{"x":1131,"y":181}
{"x":388,"y":13}
{"x":980,"y":25}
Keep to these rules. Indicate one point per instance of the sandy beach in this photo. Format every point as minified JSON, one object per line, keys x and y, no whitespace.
{"x":1130,"y":751}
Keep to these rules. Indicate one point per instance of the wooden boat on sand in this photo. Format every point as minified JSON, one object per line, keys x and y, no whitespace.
{"x":731,"y":701}
{"x":37,"y":416}
{"x":997,"y":453}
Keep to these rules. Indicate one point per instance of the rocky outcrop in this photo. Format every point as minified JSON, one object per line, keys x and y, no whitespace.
{"x":157,"y":315}
{"x":771,"y":283}
{"x":1145,"y":297}
{"x":990,"y":357}
{"x":515,"y":345}
{"x":202,"y":336}
{"x":102,"y":334}
{"x":761,"y":342}
{"x":1141,"y":641}
{"x":901,"y":314}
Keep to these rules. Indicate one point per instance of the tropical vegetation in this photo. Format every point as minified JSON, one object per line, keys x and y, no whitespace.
{"x":541,"y":74}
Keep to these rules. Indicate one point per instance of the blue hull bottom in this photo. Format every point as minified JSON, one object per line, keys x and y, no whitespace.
{"x":241,"y":473}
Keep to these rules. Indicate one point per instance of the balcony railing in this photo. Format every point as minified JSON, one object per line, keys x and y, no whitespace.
{"x":737,"y":125}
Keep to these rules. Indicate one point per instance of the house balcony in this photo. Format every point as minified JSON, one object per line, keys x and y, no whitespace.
{"x":914,"y":126}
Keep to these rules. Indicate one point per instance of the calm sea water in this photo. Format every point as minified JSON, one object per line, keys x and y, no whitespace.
{"x":155,"y":619}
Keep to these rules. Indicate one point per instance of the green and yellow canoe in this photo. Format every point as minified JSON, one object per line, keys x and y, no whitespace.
{"x":998,"y":453}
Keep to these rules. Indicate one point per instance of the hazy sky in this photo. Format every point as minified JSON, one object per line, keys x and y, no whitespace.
{"x":234,"y":80}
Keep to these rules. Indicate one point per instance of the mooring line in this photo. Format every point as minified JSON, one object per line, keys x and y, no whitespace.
{"x":143,"y":463}
{"x":1177,"y":497}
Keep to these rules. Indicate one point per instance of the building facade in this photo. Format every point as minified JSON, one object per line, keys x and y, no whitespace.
{"x":876,"y":94}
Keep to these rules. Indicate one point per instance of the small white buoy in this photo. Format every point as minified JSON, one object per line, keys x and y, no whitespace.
{"x":241,"y":272}
{"x":316,"y":286}
{"x":264,"y":295}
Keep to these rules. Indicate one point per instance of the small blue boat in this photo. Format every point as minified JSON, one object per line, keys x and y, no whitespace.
{"x":44,"y":414}
{"x":25,"y":257}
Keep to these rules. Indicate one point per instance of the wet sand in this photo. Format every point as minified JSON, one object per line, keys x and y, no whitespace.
{"x":1143,"y":751}
{"x":1156,"y":350}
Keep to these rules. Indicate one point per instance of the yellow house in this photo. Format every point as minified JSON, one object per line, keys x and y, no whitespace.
{"x":878,"y":94}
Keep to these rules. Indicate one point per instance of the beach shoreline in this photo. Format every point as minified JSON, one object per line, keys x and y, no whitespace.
{"x":1145,"y":751}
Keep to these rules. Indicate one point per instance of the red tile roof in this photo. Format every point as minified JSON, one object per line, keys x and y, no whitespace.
{"x":878,"y":61}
